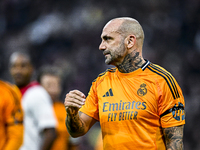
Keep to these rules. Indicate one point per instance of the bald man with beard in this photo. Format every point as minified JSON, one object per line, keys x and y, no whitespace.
{"x":139,"y":104}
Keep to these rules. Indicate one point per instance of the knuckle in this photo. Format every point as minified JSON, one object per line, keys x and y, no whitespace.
{"x":65,"y":103}
{"x":70,"y":92}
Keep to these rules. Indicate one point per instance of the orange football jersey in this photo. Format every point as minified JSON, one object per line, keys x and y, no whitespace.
{"x":134,"y":107}
{"x":62,"y":140}
{"x":11,"y":117}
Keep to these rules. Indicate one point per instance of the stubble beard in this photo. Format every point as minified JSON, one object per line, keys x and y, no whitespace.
{"x":113,"y":58}
{"x":108,"y":59}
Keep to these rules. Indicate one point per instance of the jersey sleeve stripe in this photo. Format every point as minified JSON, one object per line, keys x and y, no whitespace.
{"x":175,"y":108}
{"x":170,"y":78}
{"x":167,"y":78}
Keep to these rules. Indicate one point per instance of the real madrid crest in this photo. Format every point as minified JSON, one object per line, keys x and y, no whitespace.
{"x":142,"y":90}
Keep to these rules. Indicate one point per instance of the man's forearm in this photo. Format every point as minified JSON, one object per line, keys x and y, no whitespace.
{"x":174,"y":138}
{"x":75,"y":125}
{"x":49,"y":136}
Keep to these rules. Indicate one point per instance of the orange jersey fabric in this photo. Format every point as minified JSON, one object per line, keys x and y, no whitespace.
{"x":134,"y":107}
{"x":62,"y":140}
{"x":11,"y":117}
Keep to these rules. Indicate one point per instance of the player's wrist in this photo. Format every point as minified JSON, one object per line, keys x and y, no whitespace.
{"x":71,"y":111}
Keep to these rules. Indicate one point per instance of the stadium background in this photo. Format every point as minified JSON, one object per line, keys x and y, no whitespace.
{"x":67,"y":34}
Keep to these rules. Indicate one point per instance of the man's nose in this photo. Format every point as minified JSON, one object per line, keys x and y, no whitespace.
{"x":17,"y":69}
{"x":102,"y":46}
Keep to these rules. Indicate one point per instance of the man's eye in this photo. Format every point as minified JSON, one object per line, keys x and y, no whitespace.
{"x":107,"y":38}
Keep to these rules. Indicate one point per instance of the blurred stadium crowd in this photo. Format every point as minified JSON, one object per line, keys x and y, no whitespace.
{"x":67,"y":34}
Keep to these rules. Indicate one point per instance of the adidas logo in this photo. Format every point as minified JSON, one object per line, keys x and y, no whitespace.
{"x":109,"y":93}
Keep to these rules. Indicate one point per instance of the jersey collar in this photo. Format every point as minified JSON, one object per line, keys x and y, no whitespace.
{"x":144,"y":66}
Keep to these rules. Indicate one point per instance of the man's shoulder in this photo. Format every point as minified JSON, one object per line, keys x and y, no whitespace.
{"x":158,"y":71}
{"x":6,"y":93}
{"x":107,"y":72}
{"x":9,"y":88}
{"x":36,"y":88}
{"x":6,"y":85}
{"x":35,"y":91}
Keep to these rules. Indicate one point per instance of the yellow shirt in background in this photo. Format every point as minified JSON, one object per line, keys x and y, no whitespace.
{"x":62,"y":140}
{"x":11,"y":117}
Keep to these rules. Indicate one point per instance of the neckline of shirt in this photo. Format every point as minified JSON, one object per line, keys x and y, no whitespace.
{"x":134,"y":73}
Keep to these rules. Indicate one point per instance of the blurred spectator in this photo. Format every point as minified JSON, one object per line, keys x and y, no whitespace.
{"x":39,"y":120}
{"x":50,"y":78}
{"x":11,"y":117}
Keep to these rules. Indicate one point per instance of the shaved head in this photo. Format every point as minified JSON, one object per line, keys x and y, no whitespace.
{"x":15,"y":55}
{"x":127,"y":26}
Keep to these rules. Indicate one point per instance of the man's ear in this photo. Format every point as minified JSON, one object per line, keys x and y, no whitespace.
{"x":130,"y":41}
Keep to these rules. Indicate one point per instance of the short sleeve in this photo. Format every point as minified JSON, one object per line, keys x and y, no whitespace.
{"x":171,"y":104}
{"x":41,"y":107}
{"x":91,"y":104}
